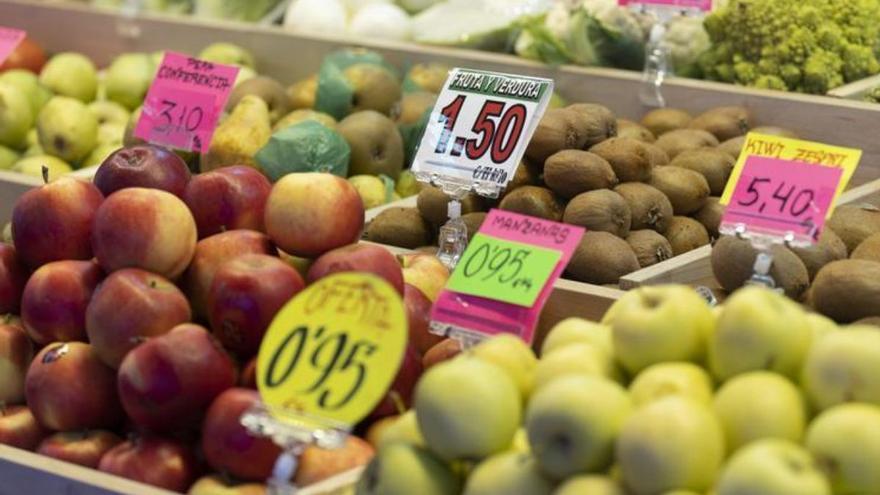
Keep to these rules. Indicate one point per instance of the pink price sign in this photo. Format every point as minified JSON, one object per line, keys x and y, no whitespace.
{"x":512,"y":264}
{"x":184,"y":102}
{"x":775,"y":197}
{"x":703,"y":5}
{"x":9,"y":39}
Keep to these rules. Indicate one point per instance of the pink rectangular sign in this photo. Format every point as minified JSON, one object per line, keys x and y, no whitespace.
{"x":184,"y":102}
{"x":490,"y":317}
{"x":9,"y":39}
{"x":704,"y":5}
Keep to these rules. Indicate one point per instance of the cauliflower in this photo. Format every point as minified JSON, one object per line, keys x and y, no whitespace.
{"x":686,"y":40}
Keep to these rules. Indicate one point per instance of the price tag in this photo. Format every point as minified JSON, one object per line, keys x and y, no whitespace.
{"x":480,"y":127}
{"x":702,"y":5}
{"x":334,"y":349}
{"x":506,"y":275}
{"x":184,"y":102}
{"x":9,"y":39}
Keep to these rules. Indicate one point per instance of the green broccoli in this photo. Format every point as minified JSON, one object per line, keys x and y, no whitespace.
{"x":873,"y":95}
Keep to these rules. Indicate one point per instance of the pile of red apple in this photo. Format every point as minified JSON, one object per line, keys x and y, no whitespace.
{"x":140,"y":302}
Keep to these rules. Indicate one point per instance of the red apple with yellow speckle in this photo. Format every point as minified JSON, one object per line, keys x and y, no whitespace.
{"x":54,"y":302}
{"x":79,"y":447}
{"x":228,"y":198}
{"x":153,"y":460}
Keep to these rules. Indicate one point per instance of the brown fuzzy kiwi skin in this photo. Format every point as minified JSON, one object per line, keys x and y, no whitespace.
{"x":686,"y":234}
{"x":559,"y":129}
{"x":854,"y":223}
{"x":601,"y":210}
{"x":649,"y":207}
{"x":426,"y":249}
{"x":525,"y":175}
{"x":432,"y":204}
{"x":634,"y":130}
{"x":674,"y":142}
{"x":534,"y":201}
{"x":686,"y":189}
{"x":869,"y":320}
{"x":869,"y":249}
{"x":829,"y":248}
{"x":650,"y":247}
{"x":598,"y":122}
{"x":631,"y":160}
{"x":847,"y":290}
{"x":601,"y":258}
{"x":473,"y":221}
{"x":713,"y":164}
{"x":571,"y":172}
{"x":402,"y":227}
{"x":732,"y":146}
{"x":656,"y":155}
{"x":733,"y":262}
{"x":724,"y":122}
{"x":663,"y":120}
{"x":710,"y":216}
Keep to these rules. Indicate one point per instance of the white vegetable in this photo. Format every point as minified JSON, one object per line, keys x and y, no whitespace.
{"x":354,"y":6}
{"x":416,"y":5}
{"x":474,"y":23}
{"x":382,"y":20}
{"x":316,"y":16}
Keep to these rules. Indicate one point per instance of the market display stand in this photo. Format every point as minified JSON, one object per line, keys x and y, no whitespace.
{"x":856,"y":90}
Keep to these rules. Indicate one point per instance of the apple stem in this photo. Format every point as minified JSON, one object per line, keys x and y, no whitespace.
{"x":44,"y":170}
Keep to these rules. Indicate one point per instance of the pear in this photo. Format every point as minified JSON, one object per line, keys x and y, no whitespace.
{"x":303,"y":114}
{"x":514,"y":356}
{"x":508,"y":473}
{"x":845,"y":440}
{"x":8,"y":157}
{"x":28,"y":83}
{"x":106,"y":111}
{"x":16,"y":117}
{"x":67,"y":129}
{"x":71,"y":74}
{"x":228,"y":53}
{"x":404,"y":469}
{"x":772,"y":467}
{"x":404,"y":429}
{"x":376,"y":145}
{"x":33,"y":166}
{"x":374,"y":88}
{"x":673,"y":378}
{"x":302,"y":93}
{"x":128,"y":78}
{"x":270,"y":90}
{"x":240,"y":136}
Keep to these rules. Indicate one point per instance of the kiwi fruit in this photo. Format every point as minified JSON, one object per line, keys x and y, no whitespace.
{"x":829,"y":248}
{"x":733,"y":262}
{"x":559,"y":129}
{"x":433,"y":205}
{"x":597,"y":121}
{"x":686,"y":189}
{"x":398,"y":226}
{"x":847,"y":290}
{"x":870,"y":320}
{"x":714,"y":165}
{"x":426,"y":249}
{"x":265,"y":88}
{"x":376,"y":145}
{"x":733,"y":146}
{"x":855,"y":223}
{"x":686,"y":234}
{"x":775,"y":131}
{"x":674,"y":142}
{"x":663,"y":120}
{"x":649,"y":208}
{"x":869,"y":249}
{"x":634,"y":130}
{"x":524,"y":175}
{"x":601,"y":258}
{"x":630,"y":159}
{"x":650,"y":247}
{"x":473,"y":221}
{"x":600,"y":210}
{"x":710,"y":216}
{"x":534,"y":201}
{"x":571,"y":172}
{"x":656,"y":155}
{"x":724,"y":122}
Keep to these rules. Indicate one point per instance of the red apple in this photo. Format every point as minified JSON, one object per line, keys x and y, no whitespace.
{"x":69,"y":388}
{"x":426,"y":272}
{"x":359,"y":258}
{"x":216,"y":485}
{"x":245,"y":296}
{"x":142,"y":165}
{"x":308,"y":214}
{"x":248,"y":376}
{"x":19,"y":428}
{"x":228,"y":446}
{"x":27,"y":55}
{"x":168,"y":382}
{"x":228,"y":198}
{"x":418,"y":318}
{"x":16,"y":353}
{"x":445,"y":350}
{"x":13,"y":276}
{"x":211,"y":253}
{"x":153,"y":460}
{"x":53,"y":305}
{"x":130,"y":306}
{"x":316,"y":464}
{"x":79,"y":447}
{"x":144,"y":228}
{"x":399,"y":395}
{"x":54,"y":221}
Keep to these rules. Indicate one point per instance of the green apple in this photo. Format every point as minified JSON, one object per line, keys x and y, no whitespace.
{"x":8,"y":157}
{"x":16,"y":116}
{"x":29,"y":84}
{"x":772,"y":467}
{"x":513,"y":355}
{"x":652,"y":325}
{"x":521,"y":441}
{"x":99,"y":154}
{"x":244,"y":73}
{"x":128,"y":78}
{"x":842,"y":367}
{"x":671,"y":444}
{"x":845,"y":440}
{"x":574,"y":359}
{"x":821,"y":325}
{"x":467,"y":409}
{"x":589,"y":484}
{"x":759,"y":329}
{"x":680,"y":492}
{"x":758,"y":405}
{"x":108,"y":112}
{"x":572,"y":424}
{"x":33,"y":165}
{"x":404,"y":429}
{"x":404,"y":469}
{"x":227,"y":53}
{"x":71,"y":74}
{"x":67,"y":129}
{"x":508,"y":473}
{"x":111,"y":133}
{"x":577,"y":330}
{"x":674,"y":378}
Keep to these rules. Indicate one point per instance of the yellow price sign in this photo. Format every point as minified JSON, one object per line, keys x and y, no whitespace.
{"x":332,"y":352}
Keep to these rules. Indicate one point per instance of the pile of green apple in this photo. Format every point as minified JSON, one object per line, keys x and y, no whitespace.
{"x":665,"y":396}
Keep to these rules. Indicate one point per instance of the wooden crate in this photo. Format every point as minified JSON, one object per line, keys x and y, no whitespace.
{"x":856,"y":90}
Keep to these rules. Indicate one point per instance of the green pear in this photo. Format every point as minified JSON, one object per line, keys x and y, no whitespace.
{"x":7,"y":157}
{"x":29,"y":84}
{"x":244,"y":74}
{"x":759,"y":329}
{"x":674,"y":378}
{"x":67,"y":129}
{"x":845,"y":440}
{"x":842,"y":367}
{"x":16,"y":117}
{"x":303,"y":114}
{"x":109,"y":112}
{"x":508,"y":473}
{"x":572,"y":424}
{"x":404,"y":469}
{"x":128,"y":78}
{"x":671,"y":444}
{"x":71,"y":74}
{"x":574,"y":359}
{"x":240,"y":136}
{"x":33,"y":166}
{"x":228,"y":53}
{"x":589,"y":484}
{"x":404,"y":429}
{"x":577,"y":330}
{"x":772,"y":467}
{"x":373,"y":87}
{"x":101,"y":152}
{"x":512,"y":355}
{"x":521,"y":441}
{"x":467,"y":408}
{"x":757,"y":405}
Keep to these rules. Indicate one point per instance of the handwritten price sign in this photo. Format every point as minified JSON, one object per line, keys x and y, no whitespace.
{"x":9,"y":39}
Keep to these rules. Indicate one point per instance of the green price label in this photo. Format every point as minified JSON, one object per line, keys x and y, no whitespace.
{"x":503,"y":270}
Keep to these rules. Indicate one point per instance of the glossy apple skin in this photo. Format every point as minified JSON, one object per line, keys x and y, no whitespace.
{"x":426,"y":272}
{"x":308,"y":214}
{"x":359,"y":258}
{"x":215,"y":485}
{"x":13,"y":276}
{"x":167,"y":383}
{"x":212,"y":253}
{"x":19,"y":428}
{"x":79,"y":447}
{"x":248,"y":376}
{"x":246,"y":294}
{"x":54,"y":222}
{"x":399,"y":396}
{"x":144,"y":228}
{"x":27,"y":55}
{"x":228,"y":198}
{"x":68,"y":388}
{"x":153,"y":460}
{"x":444,"y":350}
{"x":142,"y":165}
{"x":16,"y":353}
{"x":55,"y":298}
{"x":228,"y":446}
{"x":418,"y":318}
{"x":317,"y":464}
{"x":130,"y":306}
